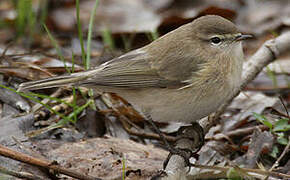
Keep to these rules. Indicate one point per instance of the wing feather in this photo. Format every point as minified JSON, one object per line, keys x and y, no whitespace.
{"x":132,"y":70}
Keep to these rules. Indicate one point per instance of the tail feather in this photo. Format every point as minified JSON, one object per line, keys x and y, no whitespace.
{"x":57,"y":81}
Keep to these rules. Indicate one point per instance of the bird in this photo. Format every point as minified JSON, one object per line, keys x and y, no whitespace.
{"x":182,"y":76}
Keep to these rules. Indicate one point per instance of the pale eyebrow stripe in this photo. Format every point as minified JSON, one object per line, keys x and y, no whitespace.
{"x":231,"y":36}
{"x":227,"y":36}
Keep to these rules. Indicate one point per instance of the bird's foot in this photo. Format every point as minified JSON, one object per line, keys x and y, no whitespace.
{"x":196,"y":135}
{"x":193,"y":135}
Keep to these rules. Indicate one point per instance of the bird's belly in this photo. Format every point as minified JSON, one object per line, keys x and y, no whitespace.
{"x":186,"y":105}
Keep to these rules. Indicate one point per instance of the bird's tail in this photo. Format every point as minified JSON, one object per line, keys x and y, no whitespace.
{"x":57,"y":81}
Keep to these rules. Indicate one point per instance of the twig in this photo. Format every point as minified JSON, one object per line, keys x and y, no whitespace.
{"x":268,"y":89}
{"x":18,"y":174}
{"x":279,"y":113}
{"x":286,"y":149}
{"x":143,"y":134}
{"x":258,"y":171}
{"x":237,"y":132}
{"x":6,"y":152}
{"x":284,"y":106}
{"x":56,"y":94}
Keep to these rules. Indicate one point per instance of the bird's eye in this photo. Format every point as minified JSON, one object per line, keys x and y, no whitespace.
{"x":215,"y":40}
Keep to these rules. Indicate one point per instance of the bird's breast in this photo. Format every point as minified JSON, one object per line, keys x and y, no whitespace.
{"x":235,"y":71}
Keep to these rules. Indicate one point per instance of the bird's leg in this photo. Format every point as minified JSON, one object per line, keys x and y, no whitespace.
{"x":168,"y":146}
{"x":185,"y":153}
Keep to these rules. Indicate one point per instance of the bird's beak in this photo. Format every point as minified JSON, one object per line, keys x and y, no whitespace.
{"x":241,"y":37}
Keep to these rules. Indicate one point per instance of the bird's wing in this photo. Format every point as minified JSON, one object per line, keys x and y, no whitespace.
{"x":138,"y":69}
{"x":132,"y":70}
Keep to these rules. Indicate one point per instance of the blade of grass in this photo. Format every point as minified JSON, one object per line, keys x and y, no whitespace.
{"x":154,"y":34}
{"x":263,"y":120}
{"x":61,"y":123}
{"x":127,"y":41}
{"x":88,"y":58}
{"x":48,"y":97}
{"x":74,"y":102}
{"x":26,"y":19}
{"x":78,"y":111}
{"x":272,"y":76}
{"x":31,"y":20}
{"x":107,"y":39}
{"x":43,"y":13}
{"x":22,"y":7}
{"x":123,"y":168}
{"x":34,"y":99}
{"x":80,"y":32}
{"x":74,"y":89}
{"x":90,"y":31}
{"x":59,"y":53}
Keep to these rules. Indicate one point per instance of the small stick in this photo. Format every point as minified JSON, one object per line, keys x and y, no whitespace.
{"x":19,"y":174}
{"x":6,"y":152}
{"x":286,"y":149}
